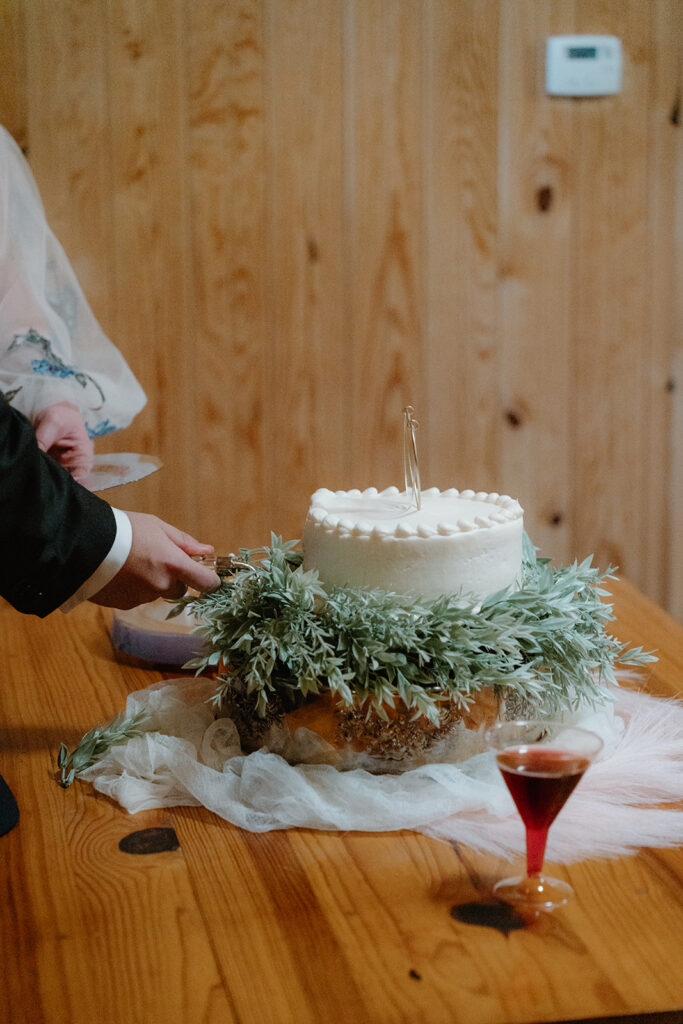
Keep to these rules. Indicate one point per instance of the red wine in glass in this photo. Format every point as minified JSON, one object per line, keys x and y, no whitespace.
{"x":541,"y":763}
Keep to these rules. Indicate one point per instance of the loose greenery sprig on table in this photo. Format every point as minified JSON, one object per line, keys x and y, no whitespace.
{"x":273,"y":629}
{"x":95,"y":744}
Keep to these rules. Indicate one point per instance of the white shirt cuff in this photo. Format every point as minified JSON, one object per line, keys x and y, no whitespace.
{"x":108,"y":568}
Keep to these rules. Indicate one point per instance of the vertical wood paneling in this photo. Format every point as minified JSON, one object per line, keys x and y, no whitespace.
{"x":612,"y":303}
{"x":227,"y":176}
{"x":295,"y":216}
{"x":150,"y":208}
{"x":460,"y":155}
{"x":306,"y":319}
{"x":664,"y":579}
{"x":385,"y":241}
{"x":535,"y":295}
{"x":13,"y":73}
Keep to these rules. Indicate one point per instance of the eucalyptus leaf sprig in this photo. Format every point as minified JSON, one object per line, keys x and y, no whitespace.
{"x":273,"y":629}
{"x":95,"y":744}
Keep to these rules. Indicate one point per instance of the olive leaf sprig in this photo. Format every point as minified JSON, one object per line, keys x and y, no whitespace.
{"x":95,"y":744}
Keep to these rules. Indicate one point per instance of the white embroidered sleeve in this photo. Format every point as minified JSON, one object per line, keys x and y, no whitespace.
{"x":52,"y":348}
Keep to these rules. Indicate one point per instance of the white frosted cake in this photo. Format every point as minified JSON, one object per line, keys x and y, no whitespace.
{"x":458,"y":541}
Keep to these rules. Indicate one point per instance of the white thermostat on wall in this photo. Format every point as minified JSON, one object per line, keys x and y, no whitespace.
{"x":583,"y":65}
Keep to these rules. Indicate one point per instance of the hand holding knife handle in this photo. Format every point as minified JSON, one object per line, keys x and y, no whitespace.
{"x":223,"y":565}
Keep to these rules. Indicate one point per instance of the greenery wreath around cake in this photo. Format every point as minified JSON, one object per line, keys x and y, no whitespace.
{"x":395,"y":667}
{"x":277,"y":639}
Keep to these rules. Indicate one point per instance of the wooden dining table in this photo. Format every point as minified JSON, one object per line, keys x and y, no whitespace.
{"x":176,"y":915}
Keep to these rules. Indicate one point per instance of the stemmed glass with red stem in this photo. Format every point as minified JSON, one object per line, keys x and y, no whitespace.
{"x":541,"y":762}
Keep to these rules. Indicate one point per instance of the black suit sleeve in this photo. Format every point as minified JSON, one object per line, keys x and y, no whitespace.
{"x":53,"y":532}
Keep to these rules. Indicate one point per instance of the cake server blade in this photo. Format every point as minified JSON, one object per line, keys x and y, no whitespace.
{"x":120,"y":468}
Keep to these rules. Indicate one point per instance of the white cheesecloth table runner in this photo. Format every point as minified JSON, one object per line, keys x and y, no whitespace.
{"x":188,"y":758}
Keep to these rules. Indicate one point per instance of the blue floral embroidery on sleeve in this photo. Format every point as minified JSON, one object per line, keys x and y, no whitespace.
{"x":102,"y":428}
{"x":53,"y":369}
{"x":51,"y":364}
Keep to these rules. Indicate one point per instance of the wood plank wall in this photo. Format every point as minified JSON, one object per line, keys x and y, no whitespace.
{"x":296,"y":216}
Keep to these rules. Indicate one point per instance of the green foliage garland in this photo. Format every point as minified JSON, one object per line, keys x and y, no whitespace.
{"x":274,"y":629}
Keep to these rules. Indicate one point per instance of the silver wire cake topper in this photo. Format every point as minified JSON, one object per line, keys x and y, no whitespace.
{"x":411,"y":466}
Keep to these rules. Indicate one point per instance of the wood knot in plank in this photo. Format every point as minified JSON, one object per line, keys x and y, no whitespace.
{"x":414,"y":974}
{"x":556,"y":519}
{"x":313,"y":250}
{"x":544,"y":198}
{"x":134,"y":49}
{"x":514,"y":418}
{"x":675,"y":115}
{"x":150,"y":840}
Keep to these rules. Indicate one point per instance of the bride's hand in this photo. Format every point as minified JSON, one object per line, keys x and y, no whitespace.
{"x":60,"y":431}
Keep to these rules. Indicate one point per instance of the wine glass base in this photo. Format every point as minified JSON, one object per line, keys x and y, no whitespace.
{"x":535,"y":892}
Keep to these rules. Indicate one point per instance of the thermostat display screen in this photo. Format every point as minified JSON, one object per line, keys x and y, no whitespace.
{"x":582,"y":51}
